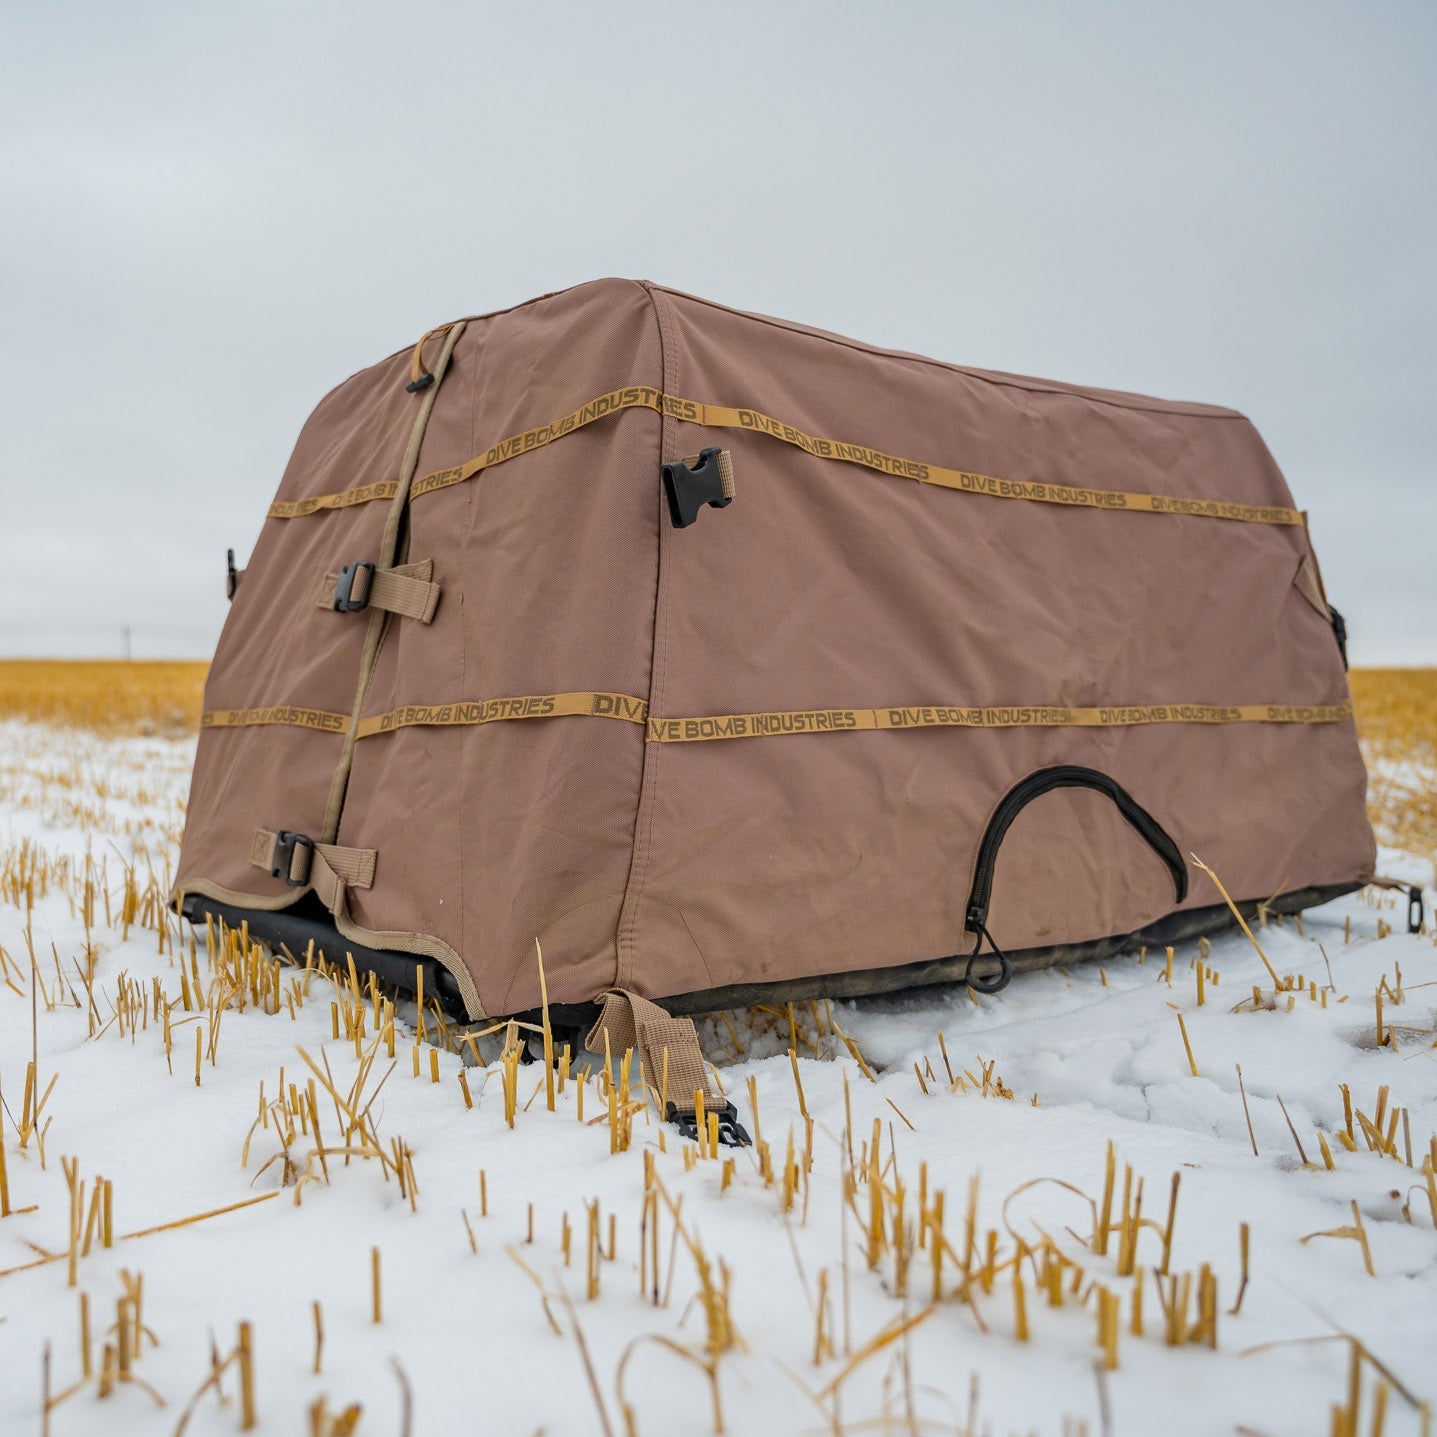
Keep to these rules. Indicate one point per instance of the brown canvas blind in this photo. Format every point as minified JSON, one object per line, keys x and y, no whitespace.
{"x":726,"y":657}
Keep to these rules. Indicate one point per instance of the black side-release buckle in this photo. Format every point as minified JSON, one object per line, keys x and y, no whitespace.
{"x":344,"y":602}
{"x":688,"y":490}
{"x":1415,"y":912}
{"x":1339,"y":631}
{"x":731,"y":1132}
{"x":282,"y":859}
{"x":231,"y":575}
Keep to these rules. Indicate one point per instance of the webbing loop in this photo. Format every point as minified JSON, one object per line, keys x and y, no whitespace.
{"x":299,"y":861}
{"x":421,"y":378}
{"x":405,"y":590}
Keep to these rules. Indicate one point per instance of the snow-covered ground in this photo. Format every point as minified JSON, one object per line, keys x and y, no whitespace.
{"x":486,"y":1328}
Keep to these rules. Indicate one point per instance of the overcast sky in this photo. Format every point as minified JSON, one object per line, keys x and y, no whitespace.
{"x":210,"y":214}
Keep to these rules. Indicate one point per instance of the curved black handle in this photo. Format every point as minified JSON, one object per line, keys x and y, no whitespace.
{"x":1013,"y":802}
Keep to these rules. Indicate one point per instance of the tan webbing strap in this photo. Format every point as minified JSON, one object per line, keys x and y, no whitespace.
{"x":1311,"y":559}
{"x":1394,"y":885}
{"x":811,"y":721}
{"x":720,"y":416}
{"x":703,"y":728}
{"x":261,"y":850}
{"x":287,"y":715}
{"x":417,"y":371}
{"x":345,"y":499}
{"x":725,"y":468}
{"x":1308,"y":583}
{"x":404,"y":590}
{"x":668,"y":1047}
{"x":325,"y":867}
{"x":524,"y":706}
{"x":385,"y":559}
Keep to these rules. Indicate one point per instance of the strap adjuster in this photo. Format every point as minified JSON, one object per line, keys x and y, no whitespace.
{"x":282,"y":858}
{"x":731,"y":1132}
{"x":344,"y":600}
{"x":709,"y":481}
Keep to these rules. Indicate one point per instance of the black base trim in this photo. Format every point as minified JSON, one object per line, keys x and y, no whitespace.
{"x":866,"y":983}
{"x":291,"y":930}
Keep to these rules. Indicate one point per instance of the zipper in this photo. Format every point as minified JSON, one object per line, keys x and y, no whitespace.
{"x":1034,"y":786}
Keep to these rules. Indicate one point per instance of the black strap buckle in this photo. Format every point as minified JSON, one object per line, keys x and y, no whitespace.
{"x":1339,"y":630}
{"x":282,"y":857}
{"x":688,"y":490}
{"x":731,"y":1132}
{"x":344,"y":600}
{"x":1415,"y":913}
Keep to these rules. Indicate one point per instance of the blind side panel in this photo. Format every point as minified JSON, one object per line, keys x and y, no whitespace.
{"x":492,"y":835}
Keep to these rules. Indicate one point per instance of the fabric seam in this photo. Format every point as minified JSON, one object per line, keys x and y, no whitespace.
{"x":639,"y":861}
{"x":464,"y":665}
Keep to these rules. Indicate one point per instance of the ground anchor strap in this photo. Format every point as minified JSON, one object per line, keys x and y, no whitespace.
{"x":1416,"y":911}
{"x":673,"y":1063}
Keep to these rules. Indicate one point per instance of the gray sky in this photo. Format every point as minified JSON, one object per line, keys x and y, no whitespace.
{"x":210,"y":214}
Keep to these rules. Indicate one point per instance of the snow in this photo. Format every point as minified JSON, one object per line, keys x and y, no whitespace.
{"x":1090,"y":1056}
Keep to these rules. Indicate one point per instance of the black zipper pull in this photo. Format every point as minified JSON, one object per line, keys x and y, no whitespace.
{"x":1002,"y":977}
